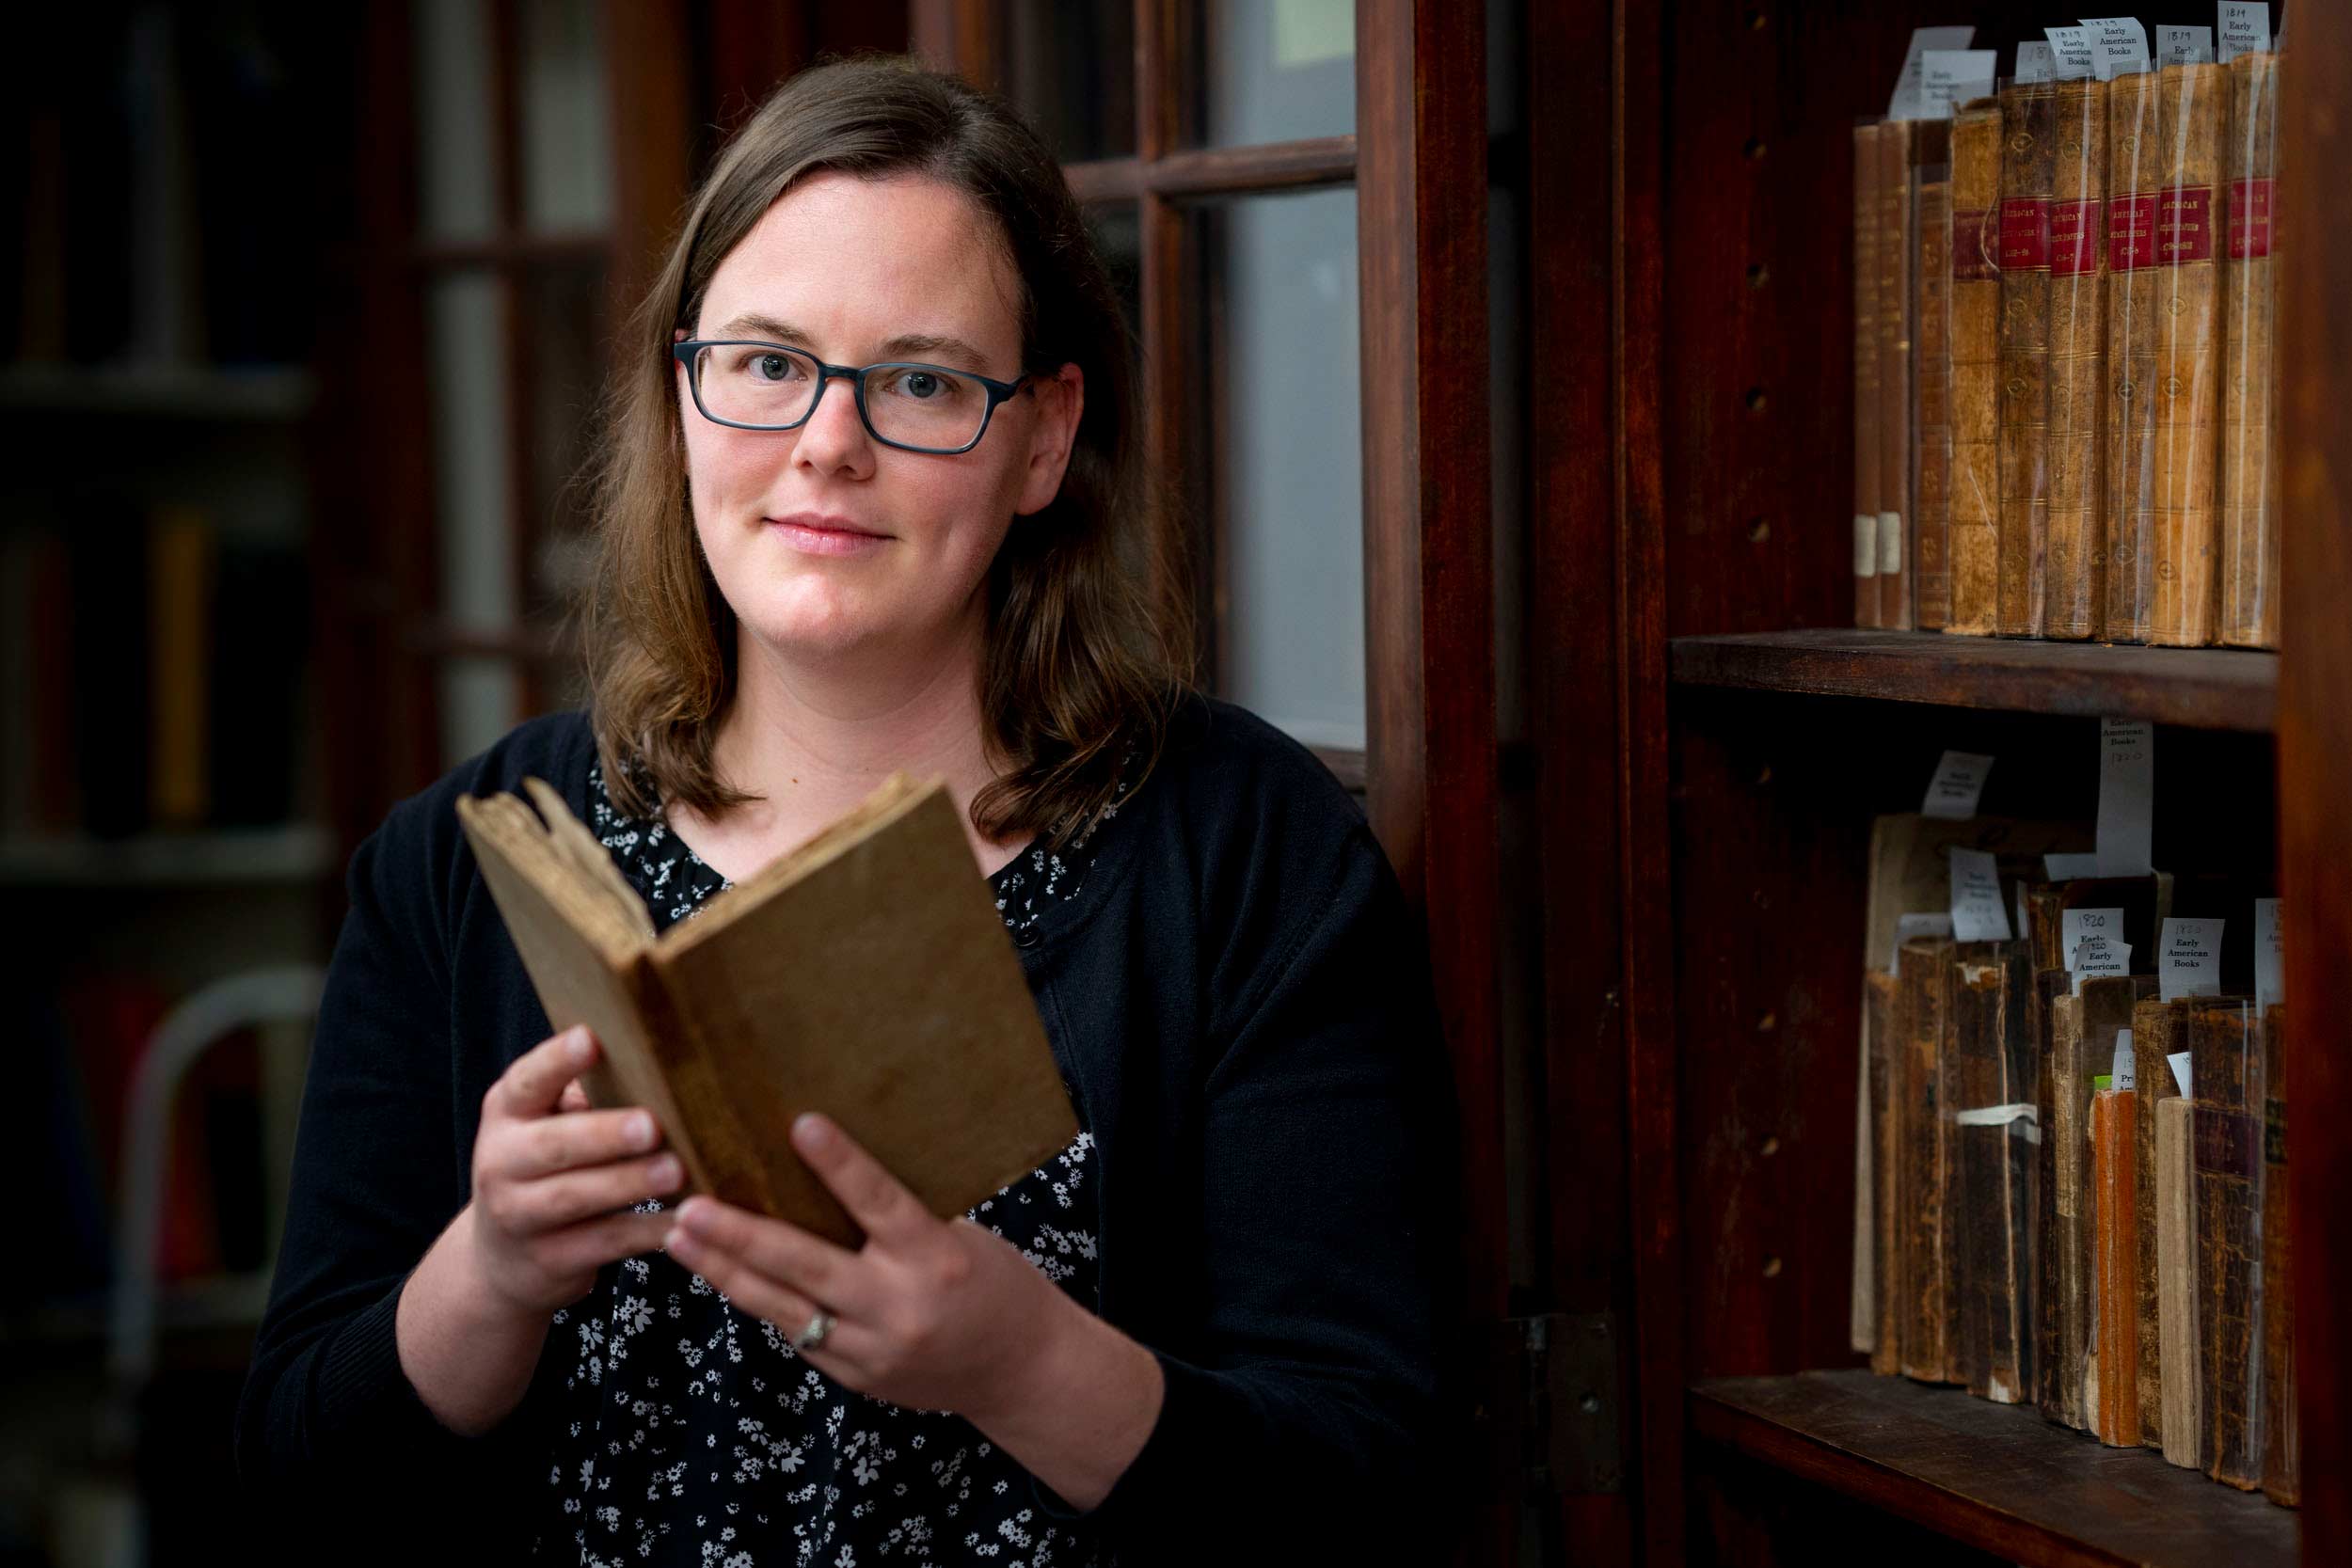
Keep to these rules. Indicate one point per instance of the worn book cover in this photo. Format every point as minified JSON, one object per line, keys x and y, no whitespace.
{"x":2156,"y":1024}
{"x":1895,"y":138}
{"x":1867,"y":395}
{"x":2226,"y":1072}
{"x":1972,"y":540}
{"x":1923,"y":1172}
{"x":2282,"y":1442}
{"x":2028,"y":175}
{"x":1993,"y":1129}
{"x":2176,"y":1284}
{"x":1879,"y":1177}
{"x":867,"y":976}
{"x":2082,"y":1045}
{"x":1932,"y":374}
{"x":2074,"y":553}
{"x":2251,"y":478}
{"x":2117,"y":1246}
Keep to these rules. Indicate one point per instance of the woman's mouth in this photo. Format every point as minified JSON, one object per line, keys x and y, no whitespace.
{"x":812,"y":534}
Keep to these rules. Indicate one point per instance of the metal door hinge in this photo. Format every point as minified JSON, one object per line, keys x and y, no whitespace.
{"x":1551,"y":1402}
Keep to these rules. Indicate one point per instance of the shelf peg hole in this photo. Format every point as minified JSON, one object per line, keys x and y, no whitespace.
{"x":1753,"y":149}
{"x":1771,"y":1268}
{"x":1770,"y":1148}
{"x":1766,"y":1021}
{"x":1756,"y":19}
{"x":1758,"y":530}
{"x":1759,"y":274}
{"x":1756,"y":400}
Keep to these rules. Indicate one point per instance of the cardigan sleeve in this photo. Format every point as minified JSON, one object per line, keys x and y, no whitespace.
{"x":1311,"y":1404}
{"x":326,"y":1408}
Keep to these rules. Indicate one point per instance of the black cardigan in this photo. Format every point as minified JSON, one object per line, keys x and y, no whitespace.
{"x":1241,"y":1003}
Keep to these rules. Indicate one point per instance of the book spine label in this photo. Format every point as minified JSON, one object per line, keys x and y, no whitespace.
{"x":1976,"y":245}
{"x":2249,"y":217}
{"x":2074,"y":237}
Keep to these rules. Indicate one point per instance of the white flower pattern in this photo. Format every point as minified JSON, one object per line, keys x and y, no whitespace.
{"x":695,"y":1435}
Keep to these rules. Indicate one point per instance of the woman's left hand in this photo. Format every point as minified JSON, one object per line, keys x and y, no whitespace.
{"x":928,"y":1314}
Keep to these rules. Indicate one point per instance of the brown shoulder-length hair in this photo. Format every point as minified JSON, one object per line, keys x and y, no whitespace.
{"x":1088,"y":645}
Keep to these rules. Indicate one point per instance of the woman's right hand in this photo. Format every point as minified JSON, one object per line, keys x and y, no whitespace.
{"x":554,"y":1181}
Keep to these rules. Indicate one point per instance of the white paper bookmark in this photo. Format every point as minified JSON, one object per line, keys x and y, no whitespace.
{"x":2188,"y":958}
{"x":2127,"y":795}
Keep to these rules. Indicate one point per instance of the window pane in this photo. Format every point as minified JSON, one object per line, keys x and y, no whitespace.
{"x":566,"y":160}
{"x":1119,"y":237}
{"x":453,"y":120}
{"x":1072,"y":71}
{"x":1285,"y":508}
{"x":469,"y":481}
{"x":1277,"y":71}
{"x":563,"y":328}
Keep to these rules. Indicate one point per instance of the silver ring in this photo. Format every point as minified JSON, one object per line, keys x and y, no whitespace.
{"x":814,"y":1335}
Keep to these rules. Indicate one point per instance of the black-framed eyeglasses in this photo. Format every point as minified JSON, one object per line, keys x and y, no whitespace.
{"x":748,"y":385}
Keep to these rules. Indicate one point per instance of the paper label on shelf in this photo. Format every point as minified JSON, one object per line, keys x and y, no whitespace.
{"x":2188,"y":958}
{"x":2036,"y":62}
{"x":1866,"y":545}
{"x":2178,"y":1062}
{"x":2270,"y":975}
{"x":2124,"y":1070}
{"x":2183,"y":45}
{"x":1890,"y":542}
{"x":2065,"y":868}
{"x":2071,"y":48}
{"x":2243,"y":29}
{"x":2127,"y":794}
{"x":2096,"y":957}
{"x":2022,"y":1119}
{"x":1958,"y":785}
{"x":1952,"y":77}
{"x":2106,"y":924}
{"x":1906,"y":102}
{"x":1978,"y":912}
{"x":1936,"y":923}
{"x":2119,"y":46}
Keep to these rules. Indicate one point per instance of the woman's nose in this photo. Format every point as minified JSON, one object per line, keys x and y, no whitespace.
{"x":833,"y":436}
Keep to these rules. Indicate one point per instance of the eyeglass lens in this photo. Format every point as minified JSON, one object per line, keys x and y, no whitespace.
{"x":765,"y":384}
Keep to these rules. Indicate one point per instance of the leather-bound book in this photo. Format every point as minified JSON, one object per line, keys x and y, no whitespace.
{"x":2228,"y":1174}
{"x":903,"y":1013}
{"x":1923,"y":975}
{"x":2282,"y":1443}
{"x":2048,"y":986}
{"x":1895,"y":142}
{"x":1973,"y":545}
{"x":1994,"y":1159}
{"x":2164,"y":136}
{"x":1866,"y":393}
{"x":2252,"y":477}
{"x":2028,"y":168}
{"x":2176,"y":1283}
{"x":1885,"y":1124}
{"x":2066,"y":1139}
{"x":2152,"y":1032}
{"x":2076,"y":551}
{"x":2112,"y":1115}
{"x":1931,"y":374}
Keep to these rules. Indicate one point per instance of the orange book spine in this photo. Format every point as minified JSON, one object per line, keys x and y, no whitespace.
{"x":2113,"y":1113}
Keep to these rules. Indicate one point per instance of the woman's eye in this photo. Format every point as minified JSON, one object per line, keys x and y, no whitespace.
{"x":772,"y":367}
{"x":921,"y":384}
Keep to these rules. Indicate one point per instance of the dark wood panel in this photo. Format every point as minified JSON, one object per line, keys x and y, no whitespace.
{"x":1218,"y":170}
{"x":2315,"y":749}
{"x":1995,"y":1477}
{"x":2224,"y":688}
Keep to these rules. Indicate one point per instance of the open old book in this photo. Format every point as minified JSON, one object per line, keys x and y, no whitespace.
{"x":867,"y":976}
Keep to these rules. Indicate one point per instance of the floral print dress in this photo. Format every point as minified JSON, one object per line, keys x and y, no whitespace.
{"x":693,"y":1434}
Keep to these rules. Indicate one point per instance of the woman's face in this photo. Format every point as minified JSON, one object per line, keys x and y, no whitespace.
{"x":824,"y":541}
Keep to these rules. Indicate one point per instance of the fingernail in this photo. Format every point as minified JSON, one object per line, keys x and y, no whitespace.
{"x":664,"y":1172}
{"x":811,"y":1130}
{"x":638,"y":1130}
{"x":578,"y":1048}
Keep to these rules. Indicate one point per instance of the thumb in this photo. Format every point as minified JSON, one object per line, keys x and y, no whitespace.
{"x":573,"y":1099}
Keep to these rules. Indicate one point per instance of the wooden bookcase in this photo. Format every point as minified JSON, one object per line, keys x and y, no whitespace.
{"x":1705,"y":875}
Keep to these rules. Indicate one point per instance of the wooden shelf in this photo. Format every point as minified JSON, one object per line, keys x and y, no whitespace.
{"x":1998,"y":1478}
{"x":2217,"y":688}
{"x":293,"y":852}
{"x":261,"y":394}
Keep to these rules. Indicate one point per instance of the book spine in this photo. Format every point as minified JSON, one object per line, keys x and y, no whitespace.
{"x":2152,"y":1077}
{"x":2074,"y":555}
{"x":2251,"y":478}
{"x":2282,"y":1443}
{"x":2227,"y":1168}
{"x":1895,"y":142}
{"x":1995,"y":1160}
{"x":2127,"y":414}
{"x":1973,"y":546}
{"x":2113,"y":1112}
{"x":1866,"y":374}
{"x":2066,"y":1137}
{"x":2029,"y":165}
{"x":2176,"y":1283}
{"x":1931,"y":370}
{"x":1923,"y":972}
{"x":2187,"y":606}
{"x":1886,"y":1358}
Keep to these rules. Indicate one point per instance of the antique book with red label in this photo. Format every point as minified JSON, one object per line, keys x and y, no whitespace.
{"x":2164,"y":354}
{"x":2075,"y":550}
{"x":1931,"y":374}
{"x":1866,"y":376}
{"x":2251,"y":478}
{"x":2029,"y":167}
{"x":1973,"y":542}
{"x":1895,"y":143}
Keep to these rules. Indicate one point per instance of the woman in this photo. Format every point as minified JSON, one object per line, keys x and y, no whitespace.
{"x":873,"y":503}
